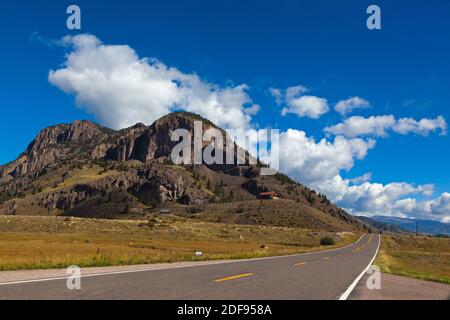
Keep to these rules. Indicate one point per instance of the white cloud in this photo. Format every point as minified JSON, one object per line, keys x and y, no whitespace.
{"x":405,"y":207}
{"x":277,"y":94}
{"x":435,"y":209}
{"x":121,"y":89}
{"x":359,"y":126}
{"x":346,"y":106}
{"x":376,"y":198}
{"x":307,"y":106}
{"x":379,"y":126}
{"x":253,"y":110}
{"x":440,"y":207}
{"x":392,"y":199}
{"x":361,"y":179}
{"x":299,"y":104}
{"x":310,"y":162}
{"x":319,"y":165}
{"x":422,"y":127}
{"x":295,"y":92}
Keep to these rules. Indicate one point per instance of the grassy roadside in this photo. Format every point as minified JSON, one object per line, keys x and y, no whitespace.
{"x":57,"y":242}
{"x":422,"y":257}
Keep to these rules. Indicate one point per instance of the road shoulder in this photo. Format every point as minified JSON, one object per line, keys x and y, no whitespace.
{"x":395,"y":287}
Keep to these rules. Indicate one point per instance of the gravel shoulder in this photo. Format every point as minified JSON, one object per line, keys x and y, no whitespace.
{"x":395,"y":287}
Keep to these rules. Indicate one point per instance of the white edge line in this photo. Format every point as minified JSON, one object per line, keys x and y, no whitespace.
{"x":209,"y":263}
{"x":349,"y":290}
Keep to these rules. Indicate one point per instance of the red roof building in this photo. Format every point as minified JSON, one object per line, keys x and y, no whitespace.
{"x":267,"y":195}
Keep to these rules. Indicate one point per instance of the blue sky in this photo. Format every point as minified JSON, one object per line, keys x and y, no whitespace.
{"x":402,"y":70}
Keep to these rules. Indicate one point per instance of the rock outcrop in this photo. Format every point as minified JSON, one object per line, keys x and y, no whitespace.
{"x":53,"y":144}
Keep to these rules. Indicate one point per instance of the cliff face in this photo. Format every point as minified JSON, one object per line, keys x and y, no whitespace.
{"x":53,"y":144}
{"x":88,"y":170}
{"x":79,"y":132}
{"x":149,"y":143}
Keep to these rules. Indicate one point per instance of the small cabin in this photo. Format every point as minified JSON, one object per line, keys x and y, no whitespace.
{"x":268,"y":195}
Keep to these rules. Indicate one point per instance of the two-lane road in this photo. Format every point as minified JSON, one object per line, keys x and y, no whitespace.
{"x":320,"y":275}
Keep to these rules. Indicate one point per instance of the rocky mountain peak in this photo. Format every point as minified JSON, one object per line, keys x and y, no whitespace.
{"x":55,"y":143}
{"x":79,"y":130}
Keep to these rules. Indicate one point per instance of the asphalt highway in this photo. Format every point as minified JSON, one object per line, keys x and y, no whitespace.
{"x":319,"y":275}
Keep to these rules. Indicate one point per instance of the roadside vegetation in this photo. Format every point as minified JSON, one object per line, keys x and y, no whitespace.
{"x":426,"y":258}
{"x":28,"y":242}
{"x":327,"y":241}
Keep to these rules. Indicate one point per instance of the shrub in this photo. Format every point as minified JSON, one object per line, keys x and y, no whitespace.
{"x":327,"y":241}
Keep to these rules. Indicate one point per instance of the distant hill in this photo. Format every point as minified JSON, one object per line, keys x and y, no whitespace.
{"x":86,"y":170}
{"x":424,"y":226}
{"x":384,"y":226}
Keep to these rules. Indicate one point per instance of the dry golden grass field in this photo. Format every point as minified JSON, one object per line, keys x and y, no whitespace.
{"x":30,"y":242}
{"x":422,"y":257}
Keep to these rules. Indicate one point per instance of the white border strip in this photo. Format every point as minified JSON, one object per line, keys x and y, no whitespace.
{"x":349,"y":290}
{"x":208,"y":263}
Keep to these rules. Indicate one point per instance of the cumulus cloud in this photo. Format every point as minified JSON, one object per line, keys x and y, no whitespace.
{"x":439,"y":207}
{"x":346,"y":106}
{"x":253,"y":110}
{"x":435,"y":209}
{"x":379,"y":126}
{"x":121,"y":89}
{"x":361,"y":179}
{"x":392,"y":199}
{"x":294,"y":92}
{"x":422,"y":127}
{"x":277,"y":94}
{"x":319,"y":164}
{"x":311,"y":162}
{"x":300,"y":104}
{"x":376,"y":198}
{"x":307,"y":106}
{"x":405,"y":206}
{"x":359,"y":126}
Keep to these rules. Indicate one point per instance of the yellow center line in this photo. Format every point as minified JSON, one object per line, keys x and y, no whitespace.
{"x":326,"y":258}
{"x":234,"y":277}
{"x":356,"y":250}
{"x":370,"y":239}
{"x":300,"y":264}
{"x":339,"y":255}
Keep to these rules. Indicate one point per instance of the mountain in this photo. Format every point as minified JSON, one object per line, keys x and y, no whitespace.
{"x":86,"y":170}
{"x":383,"y":226}
{"x":423,"y":226}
